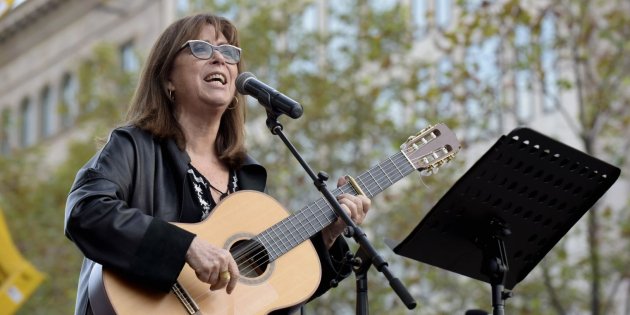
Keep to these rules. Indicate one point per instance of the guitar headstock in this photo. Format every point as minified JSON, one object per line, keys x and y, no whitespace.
{"x":431,"y":148}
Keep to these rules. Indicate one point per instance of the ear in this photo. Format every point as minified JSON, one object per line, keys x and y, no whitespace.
{"x":170,"y":86}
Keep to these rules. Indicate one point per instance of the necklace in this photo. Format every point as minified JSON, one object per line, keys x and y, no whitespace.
{"x":221,"y":193}
{"x":231,"y":186}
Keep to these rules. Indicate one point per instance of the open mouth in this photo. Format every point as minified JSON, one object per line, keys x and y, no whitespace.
{"x":216,"y":77}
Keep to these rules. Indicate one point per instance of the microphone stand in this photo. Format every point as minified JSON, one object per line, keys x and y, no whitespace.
{"x":366,"y":254}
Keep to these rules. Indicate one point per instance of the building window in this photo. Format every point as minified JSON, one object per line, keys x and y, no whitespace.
{"x":419,"y":16}
{"x":524,"y":106}
{"x":69,"y":104}
{"x":5,"y":147}
{"x":27,"y":123}
{"x":128,"y":57}
{"x":443,"y":13}
{"x":46,"y":114}
{"x":548,"y":61}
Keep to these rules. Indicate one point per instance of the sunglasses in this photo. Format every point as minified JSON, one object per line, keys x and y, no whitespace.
{"x":204,"y":50}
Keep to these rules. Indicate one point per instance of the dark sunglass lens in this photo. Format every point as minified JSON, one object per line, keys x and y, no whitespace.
{"x":201,"y":50}
{"x":231,"y":54}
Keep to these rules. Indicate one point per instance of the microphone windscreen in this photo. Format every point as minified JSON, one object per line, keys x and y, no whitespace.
{"x":240,"y":82}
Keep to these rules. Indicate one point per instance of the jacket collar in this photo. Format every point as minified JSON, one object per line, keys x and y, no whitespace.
{"x":252,"y":175}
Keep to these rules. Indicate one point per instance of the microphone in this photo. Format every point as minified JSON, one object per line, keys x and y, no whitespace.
{"x":272,"y":100}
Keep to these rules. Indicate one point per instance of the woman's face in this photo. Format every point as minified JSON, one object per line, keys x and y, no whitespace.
{"x":199,"y":83}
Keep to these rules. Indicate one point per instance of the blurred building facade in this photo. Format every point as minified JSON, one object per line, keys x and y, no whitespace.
{"x":42,"y":43}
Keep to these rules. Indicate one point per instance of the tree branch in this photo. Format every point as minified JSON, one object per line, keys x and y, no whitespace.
{"x":555,"y":301}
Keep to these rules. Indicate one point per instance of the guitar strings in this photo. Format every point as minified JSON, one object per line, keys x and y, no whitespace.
{"x":320,"y":203}
{"x":246,"y":252}
{"x":257,"y":263}
{"x":386,"y":170}
{"x":264,"y":258}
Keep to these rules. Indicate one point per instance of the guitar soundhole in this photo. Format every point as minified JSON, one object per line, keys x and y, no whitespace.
{"x":251,"y":257}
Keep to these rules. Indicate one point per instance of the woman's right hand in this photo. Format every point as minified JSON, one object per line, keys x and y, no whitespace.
{"x":212,"y":265}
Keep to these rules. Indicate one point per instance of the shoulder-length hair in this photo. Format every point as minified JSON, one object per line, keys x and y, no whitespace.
{"x":151,"y":108}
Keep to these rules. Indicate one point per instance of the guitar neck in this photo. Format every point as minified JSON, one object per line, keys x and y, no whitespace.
{"x":297,"y":228}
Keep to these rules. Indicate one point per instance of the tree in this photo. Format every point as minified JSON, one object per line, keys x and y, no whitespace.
{"x":589,"y":56}
{"x":33,"y":194}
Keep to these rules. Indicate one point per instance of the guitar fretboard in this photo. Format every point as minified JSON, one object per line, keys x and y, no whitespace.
{"x":297,"y":228}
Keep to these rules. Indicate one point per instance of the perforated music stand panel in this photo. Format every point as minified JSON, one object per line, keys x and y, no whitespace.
{"x":538,"y":187}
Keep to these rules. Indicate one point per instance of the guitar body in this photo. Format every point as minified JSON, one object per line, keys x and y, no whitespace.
{"x":287,"y":281}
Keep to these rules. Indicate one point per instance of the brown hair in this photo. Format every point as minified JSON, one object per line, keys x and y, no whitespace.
{"x":151,"y":108}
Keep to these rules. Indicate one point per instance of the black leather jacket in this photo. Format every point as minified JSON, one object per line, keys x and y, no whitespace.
{"x":121,"y":200}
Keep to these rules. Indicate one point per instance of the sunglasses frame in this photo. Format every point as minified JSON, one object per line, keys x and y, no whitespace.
{"x":214,"y":48}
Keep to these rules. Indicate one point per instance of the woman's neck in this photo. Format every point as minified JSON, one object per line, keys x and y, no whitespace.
{"x":201,"y":133}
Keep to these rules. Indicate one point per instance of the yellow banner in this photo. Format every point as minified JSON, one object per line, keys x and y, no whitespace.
{"x":18,"y":277}
{"x":5,"y":7}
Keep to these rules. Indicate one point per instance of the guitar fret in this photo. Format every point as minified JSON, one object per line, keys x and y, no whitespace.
{"x":292,"y":236}
{"x":364,"y":187}
{"x":283,"y":231}
{"x":393,"y":173}
{"x":305,"y":232}
{"x":396,"y":167}
{"x":310,"y":228}
{"x":317,"y":217}
{"x":367,"y":187}
{"x":265,"y":241}
{"x":283,"y":236}
{"x":376,"y":181}
{"x":277,"y":238}
{"x":385,"y":173}
{"x":311,"y":218}
{"x":329,"y":212}
{"x":295,"y":240}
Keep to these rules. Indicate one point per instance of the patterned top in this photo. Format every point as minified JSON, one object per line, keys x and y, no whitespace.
{"x":200,"y":188}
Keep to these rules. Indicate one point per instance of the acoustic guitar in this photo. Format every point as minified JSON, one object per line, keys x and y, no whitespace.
{"x":278,"y":264}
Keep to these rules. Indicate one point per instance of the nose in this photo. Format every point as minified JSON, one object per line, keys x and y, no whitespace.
{"x":217,"y":57}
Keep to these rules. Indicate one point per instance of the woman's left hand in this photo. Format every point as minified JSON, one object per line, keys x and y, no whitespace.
{"x":355,"y":206}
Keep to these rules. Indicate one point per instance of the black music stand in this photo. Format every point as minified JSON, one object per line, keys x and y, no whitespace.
{"x":510,"y":208}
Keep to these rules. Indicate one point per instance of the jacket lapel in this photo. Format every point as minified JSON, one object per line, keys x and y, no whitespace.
{"x":252,"y":176}
{"x":180,"y":161}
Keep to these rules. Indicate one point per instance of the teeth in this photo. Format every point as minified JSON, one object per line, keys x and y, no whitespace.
{"x":216,"y":76}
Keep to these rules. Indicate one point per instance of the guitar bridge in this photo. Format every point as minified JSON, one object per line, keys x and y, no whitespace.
{"x":187,"y":301}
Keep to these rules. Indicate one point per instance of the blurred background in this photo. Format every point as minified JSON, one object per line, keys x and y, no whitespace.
{"x":369,"y":73}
